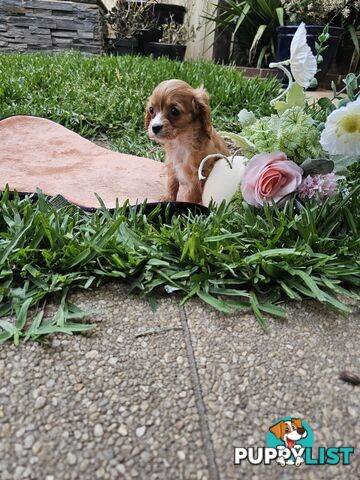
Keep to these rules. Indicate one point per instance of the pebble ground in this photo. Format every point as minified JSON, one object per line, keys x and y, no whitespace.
{"x":167,"y":395}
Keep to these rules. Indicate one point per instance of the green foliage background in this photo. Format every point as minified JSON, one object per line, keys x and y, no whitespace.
{"x":106,"y":96}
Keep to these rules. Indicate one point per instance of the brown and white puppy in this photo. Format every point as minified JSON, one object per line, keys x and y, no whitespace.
{"x":178,"y":117}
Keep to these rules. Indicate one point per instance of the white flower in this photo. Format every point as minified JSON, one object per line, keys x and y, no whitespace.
{"x":246,"y":118}
{"x":341,"y":135}
{"x":302,"y":62}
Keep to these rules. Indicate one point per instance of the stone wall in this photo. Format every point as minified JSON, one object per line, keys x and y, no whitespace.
{"x":51,"y":25}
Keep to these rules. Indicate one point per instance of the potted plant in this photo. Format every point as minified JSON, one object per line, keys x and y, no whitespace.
{"x":173,"y":41}
{"x":337,"y":14}
{"x":128,"y":19}
{"x":246,"y":31}
{"x":162,"y":13}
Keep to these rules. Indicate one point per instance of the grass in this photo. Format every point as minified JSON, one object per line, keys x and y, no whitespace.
{"x":106,"y":96}
{"x":237,"y":258}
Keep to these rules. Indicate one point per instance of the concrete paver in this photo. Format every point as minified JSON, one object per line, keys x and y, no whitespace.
{"x":167,"y":395}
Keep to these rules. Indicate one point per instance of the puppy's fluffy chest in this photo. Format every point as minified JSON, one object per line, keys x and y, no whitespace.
{"x":179,"y":155}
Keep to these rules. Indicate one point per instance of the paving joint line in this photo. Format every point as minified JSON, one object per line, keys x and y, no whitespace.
{"x":199,"y":401}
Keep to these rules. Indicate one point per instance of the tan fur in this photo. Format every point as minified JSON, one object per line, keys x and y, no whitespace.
{"x":279,"y":429}
{"x":187,"y":137}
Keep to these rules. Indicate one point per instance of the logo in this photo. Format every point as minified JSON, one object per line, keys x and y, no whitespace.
{"x":290,"y":441}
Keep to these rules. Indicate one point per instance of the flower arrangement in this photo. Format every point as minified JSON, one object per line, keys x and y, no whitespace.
{"x":302,"y":151}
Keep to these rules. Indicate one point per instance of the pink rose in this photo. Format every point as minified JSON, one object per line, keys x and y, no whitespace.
{"x":270,"y":176}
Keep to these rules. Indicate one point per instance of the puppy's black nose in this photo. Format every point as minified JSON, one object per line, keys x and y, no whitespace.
{"x":156,"y":128}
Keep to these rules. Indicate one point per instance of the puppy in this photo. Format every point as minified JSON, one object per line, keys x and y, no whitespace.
{"x":178,"y":117}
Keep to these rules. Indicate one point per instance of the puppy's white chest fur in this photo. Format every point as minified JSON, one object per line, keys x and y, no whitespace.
{"x":179,"y":155}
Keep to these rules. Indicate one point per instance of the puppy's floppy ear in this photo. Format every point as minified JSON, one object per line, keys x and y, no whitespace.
{"x":202,"y":108}
{"x":297,"y":422}
{"x":147,"y":118}
{"x":278,"y":430}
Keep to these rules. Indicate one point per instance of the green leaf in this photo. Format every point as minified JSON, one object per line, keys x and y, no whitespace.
{"x":22,"y":314}
{"x":354,"y":38}
{"x":315,"y":166}
{"x":215,"y":302}
{"x":310,"y":283}
{"x":351,"y":79}
{"x":296,"y":96}
{"x":8,"y":327}
{"x":35,"y":325}
{"x":280,"y":15}
{"x":280,"y":106}
{"x":152,"y":302}
{"x":242,"y":17}
{"x":82,"y":257}
{"x":325,"y":103}
{"x":272,"y":310}
{"x":239,"y":140}
{"x":342,"y":162}
{"x":260,"y":32}
{"x":256,"y":310}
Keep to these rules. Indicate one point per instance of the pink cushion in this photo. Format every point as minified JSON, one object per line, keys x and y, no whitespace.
{"x":39,"y":153}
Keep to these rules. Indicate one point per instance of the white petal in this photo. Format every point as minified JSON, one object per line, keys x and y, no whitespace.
{"x":245,"y":117}
{"x":336,"y":139}
{"x":223,"y":181}
{"x":302,"y":61}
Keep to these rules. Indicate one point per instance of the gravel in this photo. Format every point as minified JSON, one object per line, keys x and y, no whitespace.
{"x":120,"y":403}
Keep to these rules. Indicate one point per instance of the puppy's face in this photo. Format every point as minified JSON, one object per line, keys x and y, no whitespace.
{"x":174,"y":108}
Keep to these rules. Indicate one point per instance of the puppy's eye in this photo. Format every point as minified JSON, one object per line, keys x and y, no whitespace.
{"x":151,"y":110}
{"x":174,"y":111}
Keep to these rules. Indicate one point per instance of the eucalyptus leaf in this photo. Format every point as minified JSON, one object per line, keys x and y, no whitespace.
{"x":342,"y":162}
{"x":315,"y":166}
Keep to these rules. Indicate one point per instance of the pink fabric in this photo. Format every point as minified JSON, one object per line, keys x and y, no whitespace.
{"x":38,"y":153}
{"x":270,"y":176}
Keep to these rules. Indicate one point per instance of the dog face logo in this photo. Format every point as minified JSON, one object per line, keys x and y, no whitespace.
{"x":289,"y":434}
{"x":289,"y":431}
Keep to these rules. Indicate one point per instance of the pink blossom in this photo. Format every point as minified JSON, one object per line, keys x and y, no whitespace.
{"x":322,"y":186}
{"x":270,"y":176}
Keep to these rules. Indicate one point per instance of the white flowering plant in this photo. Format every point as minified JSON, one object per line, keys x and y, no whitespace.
{"x":317,"y":11}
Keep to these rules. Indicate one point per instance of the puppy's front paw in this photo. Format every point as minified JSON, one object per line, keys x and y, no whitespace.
{"x":166,"y":198}
{"x":299,"y":461}
{"x":193,"y":198}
